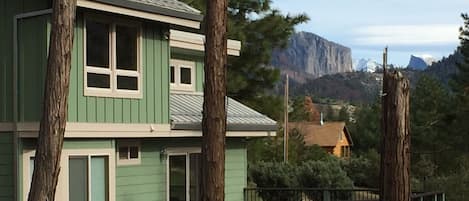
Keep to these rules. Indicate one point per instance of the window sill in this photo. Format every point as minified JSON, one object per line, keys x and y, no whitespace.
{"x":113,"y":94}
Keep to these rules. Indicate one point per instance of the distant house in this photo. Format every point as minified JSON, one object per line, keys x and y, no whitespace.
{"x":332,"y":136}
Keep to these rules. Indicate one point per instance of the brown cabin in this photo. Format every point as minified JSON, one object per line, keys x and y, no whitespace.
{"x":332,"y":136}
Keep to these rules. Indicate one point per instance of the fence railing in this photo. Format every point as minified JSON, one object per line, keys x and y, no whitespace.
{"x":321,"y":194}
{"x":310,"y":194}
{"x":430,"y":196}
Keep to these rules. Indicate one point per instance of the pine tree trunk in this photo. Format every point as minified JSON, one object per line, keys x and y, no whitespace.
{"x":54,"y":117}
{"x":214,"y":111}
{"x":395,"y":150}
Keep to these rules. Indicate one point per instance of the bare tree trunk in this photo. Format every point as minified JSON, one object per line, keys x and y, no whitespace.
{"x":214,"y":112}
{"x":395,"y":153}
{"x":54,"y":117}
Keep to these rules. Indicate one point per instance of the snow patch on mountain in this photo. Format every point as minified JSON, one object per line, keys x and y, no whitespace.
{"x":366,"y":65}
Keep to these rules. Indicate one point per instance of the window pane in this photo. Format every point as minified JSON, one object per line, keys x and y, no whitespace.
{"x":195,"y":168}
{"x":133,"y":152}
{"x":171,"y":74}
{"x":78,"y":178}
{"x":98,"y":80}
{"x":99,"y":187}
{"x":123,"y":154}
{"x":126,"y":47}
{"x":185,"y":75}
{"x":31,"y":169}
{"x":129,"y":83}
{"x":177,"y":178}
{"x":97,"y":44}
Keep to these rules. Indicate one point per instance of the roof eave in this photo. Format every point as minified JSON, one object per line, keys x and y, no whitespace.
{"x":148,"y":12}
{"x":229,"y":127}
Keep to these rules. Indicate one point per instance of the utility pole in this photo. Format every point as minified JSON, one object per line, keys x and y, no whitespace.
{"x":285,"y":129}
{"x":214,"y":111}
{"x":395,"y":144}
{"x":54,"y":116}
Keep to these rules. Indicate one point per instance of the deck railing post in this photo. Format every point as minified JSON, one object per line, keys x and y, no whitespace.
{"x":326,"y":195}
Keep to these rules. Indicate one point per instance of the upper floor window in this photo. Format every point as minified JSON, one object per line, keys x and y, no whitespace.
{"x":112,"y":59}
{"x":182,"y":75}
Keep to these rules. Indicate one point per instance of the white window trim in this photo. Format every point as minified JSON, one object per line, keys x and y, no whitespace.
{"x":112,"y":71}
{"x":177,"y":85}
{"x":182,"y":151}
{"x":128,"y":144}
{"x":63,"y":183}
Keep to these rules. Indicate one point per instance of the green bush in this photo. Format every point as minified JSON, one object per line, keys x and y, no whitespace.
{"x":323,"y":174}
{"x":363,"y":169}
{"x":274,"y":174}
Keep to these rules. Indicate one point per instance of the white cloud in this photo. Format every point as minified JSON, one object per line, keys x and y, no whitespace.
{"x":436,"y":34}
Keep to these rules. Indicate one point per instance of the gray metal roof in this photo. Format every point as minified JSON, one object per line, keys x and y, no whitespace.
{"x":186,"y":114}
{"x":172,"y":8}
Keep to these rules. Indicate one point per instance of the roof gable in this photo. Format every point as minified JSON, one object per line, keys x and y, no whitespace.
{"x":326,"y":135}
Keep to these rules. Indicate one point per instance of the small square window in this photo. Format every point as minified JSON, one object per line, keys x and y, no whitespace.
{"x":182,"y":75}
{"x":133,"y":152}
{"x":129,"y":153}
{"x":186,"y":75}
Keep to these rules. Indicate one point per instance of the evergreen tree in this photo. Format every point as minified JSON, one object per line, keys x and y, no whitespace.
{"x":460,"y":85}
{"x":260,"y":29}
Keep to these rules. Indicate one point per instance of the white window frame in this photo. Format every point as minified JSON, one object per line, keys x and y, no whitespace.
{"x":185,"y":151}
{"x":63,"y":181}
{"x":112,"y":71}
{"x":177,"y":85}
{"x":128,"y":144}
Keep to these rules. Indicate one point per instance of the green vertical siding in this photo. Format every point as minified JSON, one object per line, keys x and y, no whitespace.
{"x":32,"y":57}
{"x":153,"y":107}
{"x":6,"y":166}
{"x":8,"y":9}
{"x":148,"y":109}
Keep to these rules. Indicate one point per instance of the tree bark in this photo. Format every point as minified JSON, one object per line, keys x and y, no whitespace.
{"x":54,"y":116}
{"x":214,"y":111}
{"x":395,"y":151}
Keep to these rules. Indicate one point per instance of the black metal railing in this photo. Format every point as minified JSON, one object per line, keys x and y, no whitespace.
{"x":310,"y":194}
{"x":430,"y":196}
{"x":322,"y":194}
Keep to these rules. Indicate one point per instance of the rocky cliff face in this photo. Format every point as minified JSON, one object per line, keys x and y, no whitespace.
{"x":309,"y":55}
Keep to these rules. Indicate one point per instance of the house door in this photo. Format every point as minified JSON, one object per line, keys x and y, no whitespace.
{"x":184,"y":177}
{"x":88,"y":178}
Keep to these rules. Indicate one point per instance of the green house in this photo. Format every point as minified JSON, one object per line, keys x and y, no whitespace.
{"x":135,"y":103}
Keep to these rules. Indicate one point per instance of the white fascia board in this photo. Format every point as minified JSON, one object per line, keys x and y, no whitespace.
{"x":193,"y":41}
{"x":135,"y":13}
{"x":114,"y":130}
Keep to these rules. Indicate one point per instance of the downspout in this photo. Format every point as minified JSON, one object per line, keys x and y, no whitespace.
{"x":16,"y":151}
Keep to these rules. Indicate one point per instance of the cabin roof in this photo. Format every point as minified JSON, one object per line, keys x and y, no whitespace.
{"x":186,"y":114}
{"x":326,"y":135}
{"x":172,"y":8}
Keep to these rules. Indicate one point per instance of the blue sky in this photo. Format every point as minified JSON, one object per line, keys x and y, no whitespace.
{"x":419,"y":27}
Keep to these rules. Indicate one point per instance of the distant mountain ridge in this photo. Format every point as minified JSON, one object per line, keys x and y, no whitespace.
{"x":420,"y":62}
{"x":311,"y":56}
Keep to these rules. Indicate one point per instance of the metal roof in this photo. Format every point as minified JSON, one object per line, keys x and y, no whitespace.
{"x":172,"y":8}
{"x":186,"y":114}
